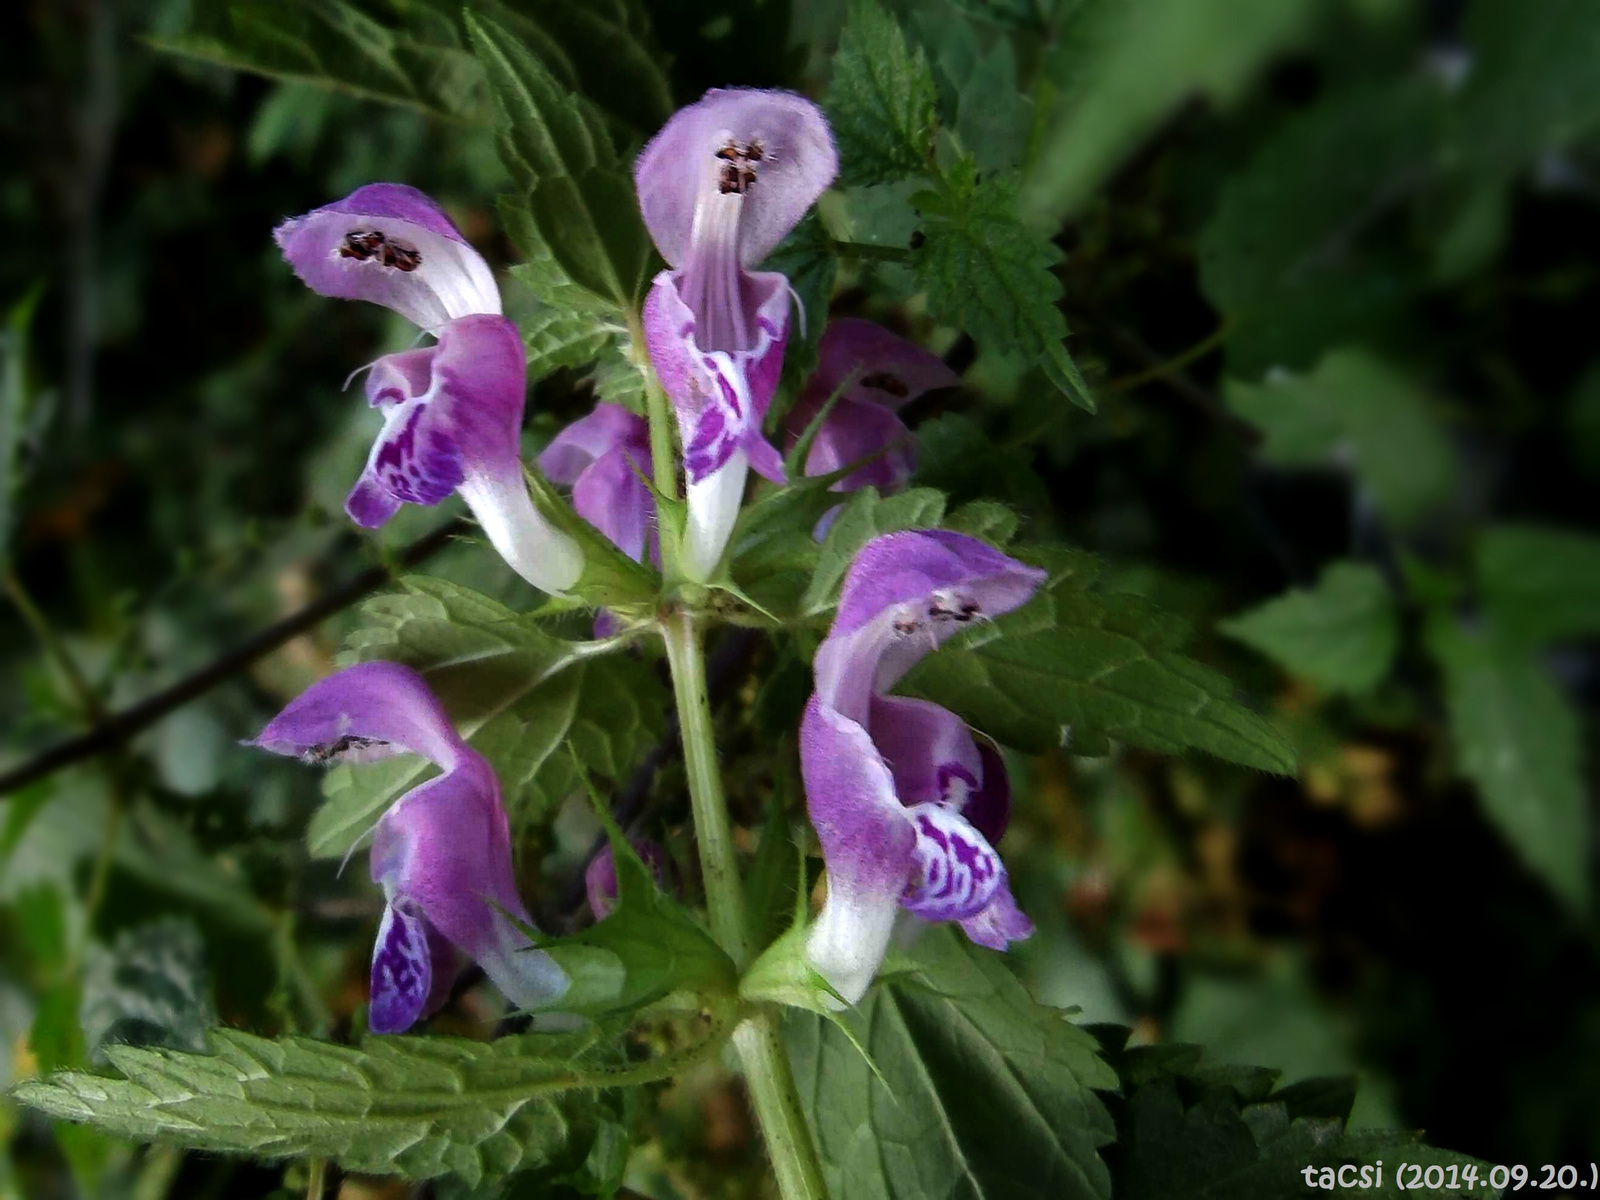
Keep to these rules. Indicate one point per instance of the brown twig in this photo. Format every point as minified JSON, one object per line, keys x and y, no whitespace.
{"x":119,"y":727}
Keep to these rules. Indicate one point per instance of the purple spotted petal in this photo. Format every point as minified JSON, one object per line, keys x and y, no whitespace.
{"x":719,"y":396}
{"x":989,"y":807}
{"x":883,"y":370}
{"x":783,"y":147}
{"x":402,"y":970}
{"x":929,"y":750}
{"x":394,"y":246}
{"x":363,"y":712}
{"x":1000,"y":923}
{"x":445,"y":851}
{"x":867,"y":842}
{"x":453,"y":422}
{"x":956,"y":872}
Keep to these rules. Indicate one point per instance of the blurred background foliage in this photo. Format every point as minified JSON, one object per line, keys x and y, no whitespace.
{"x":1333,"y":272}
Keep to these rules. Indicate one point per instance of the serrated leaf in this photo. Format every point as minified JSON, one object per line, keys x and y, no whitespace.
{"x":864,"y":516}
{"x":1122,"y":65}
{"x":1075,"y":667}
{"x":807,"y":259}
{"x":1539,"y":583}
{"x":1355,"y":410}
{"x":644,"y":950}
{"x":982,"y":1091}
{"x":882,"y":100}
{"x":150,"y":987}
{"x":987,"y":273}
{"x":577,"y":195}
{"x":417,"y":1106}
{"x":516,"y":693}
{"x":1341,"y":635}
{"x":556,"y":338}
{"x":335,"y":44}
{"x":1517,"y":738}
{"x":1185,"y":1129}
{"x":988,"y":520}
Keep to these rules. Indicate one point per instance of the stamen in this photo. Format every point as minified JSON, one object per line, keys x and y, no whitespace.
{"x":364,"y":245}
{"x":348,"y":748}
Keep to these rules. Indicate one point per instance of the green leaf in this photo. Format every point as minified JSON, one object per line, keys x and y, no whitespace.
{"x":806,"y":257}
{"x":557,"y":338}
{"x":1292,"y":255}
{"x":987,"y":273}
{"x":1540,"y":584}
{"x":1075,"y":667}
{"x":646,"y":948}
{"x":1187,"y":1130}
{"x":1341,"y":634}
{"x":1358,"y":410}
{"x":150,"y":987}
{"x":577,"y":194}
{"x":415,"y":1106}
{"x":20,"y":416}
{"x":882,"y":100}
{"x":1123,"y":65}
{"x":988,"y":520}
{"x":865,"y":516}
{"x":1517,"y":738}
{"x":982,"y":1091}
{"x":516,"y":693}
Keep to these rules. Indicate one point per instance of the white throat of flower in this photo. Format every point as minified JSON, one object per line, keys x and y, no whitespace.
{"x":713,"y":277}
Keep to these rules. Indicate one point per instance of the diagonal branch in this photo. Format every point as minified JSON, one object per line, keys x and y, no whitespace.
{"x":117,"y":728}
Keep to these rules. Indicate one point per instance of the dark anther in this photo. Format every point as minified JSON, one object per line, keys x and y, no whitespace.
{"x":402,"y":258}
{"x":361,"y":244}
{"x":884,"y":381}
{"x":339,"y":746}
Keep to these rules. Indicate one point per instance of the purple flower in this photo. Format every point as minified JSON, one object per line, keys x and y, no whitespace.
{"x":884,"y":373}
{"x":606,"y":458}
{"x":392,"y":245}
{"x":600,"y":876}
{"x":442,"y":853}
{"x":906,"y":802}
{"x":452,"y":411}
{"x":720,"y":186}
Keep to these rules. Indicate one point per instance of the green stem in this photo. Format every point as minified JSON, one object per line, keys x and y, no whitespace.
{"x":663,"y":466}
{"x":55,"y":649}
{"x":759,"y":1038}
{"x":316,"y":1178}
{"x":1174,"y":364}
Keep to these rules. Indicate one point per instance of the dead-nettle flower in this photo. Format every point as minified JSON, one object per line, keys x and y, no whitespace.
{"x":906,"y":802}
{"x":605,"y":456}
{"x":442,"y":852}
{"x":720,"y":186}
{"x":881,"y":374}
{"x":452,"y":411}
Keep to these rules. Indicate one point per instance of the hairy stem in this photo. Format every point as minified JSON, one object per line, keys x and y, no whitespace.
{"x":759,"y":1039}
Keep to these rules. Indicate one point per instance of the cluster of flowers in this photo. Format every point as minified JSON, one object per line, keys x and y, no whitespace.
{"x":906,"y":801}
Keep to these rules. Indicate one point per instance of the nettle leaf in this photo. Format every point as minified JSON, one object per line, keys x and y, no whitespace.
{"x":1540,"y":584}
{"x":864,"y":516}
{"x":1518,"y":739}
{"x":1122,"y":65}
{"x":1186,"y":1130}
{"x":1075,"y":667}
{"x":419,"y":59}
{"x":1341,"y":635}
{"x":150,"y":987}
{"x":987,"y":273}
{"x":416,"y":53}
{"x":882,"y":100}
{"x":577,"y":195}
{"x":1292,"y":254}
{"x":420,"y":1107}
{"x":980,"y":1091}
{"x":1355,"y":410}
{"x":647,"y":948}
{"x":517,"y":694}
